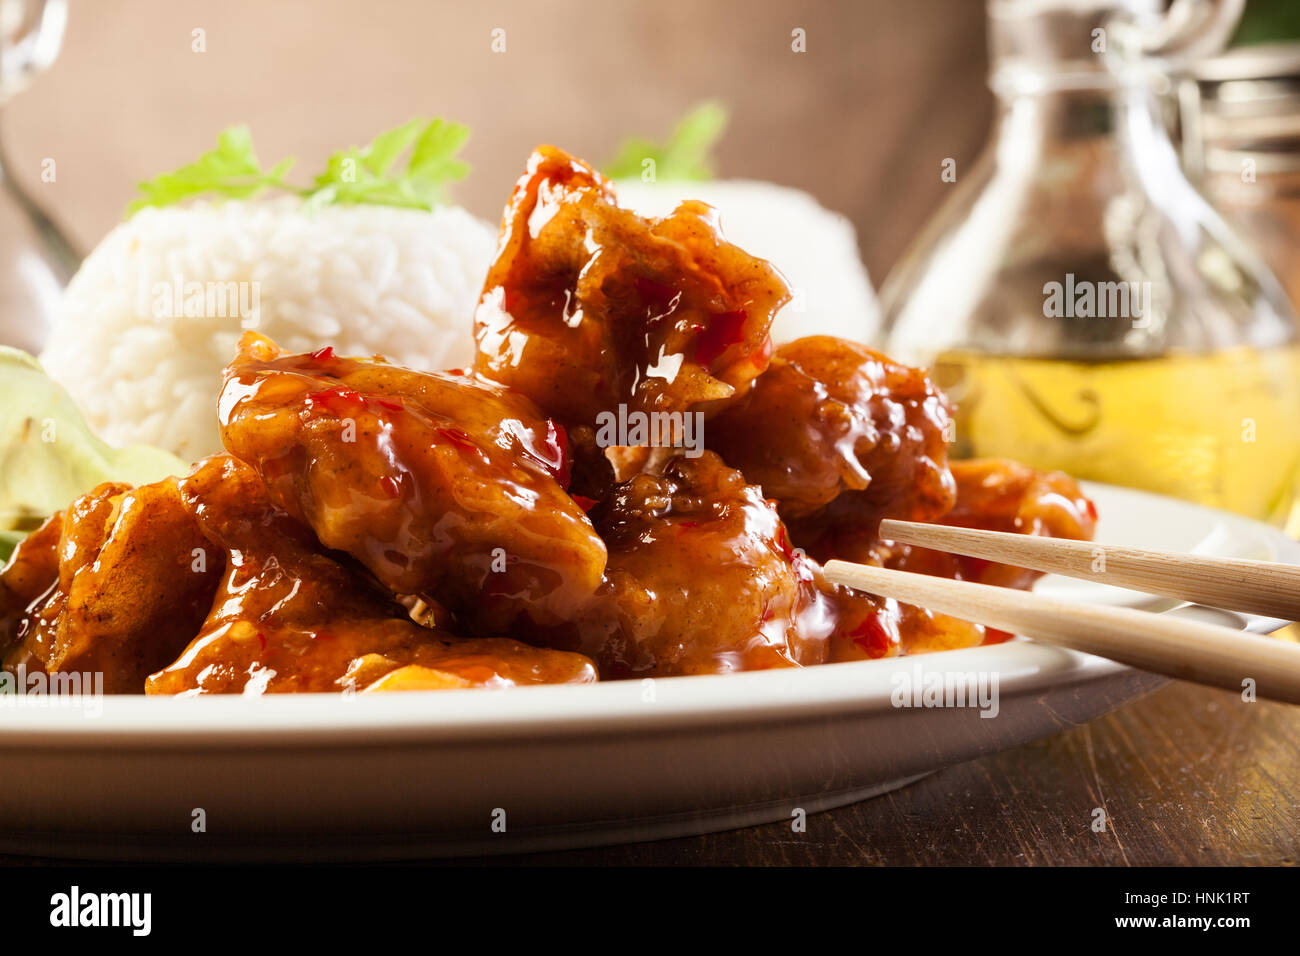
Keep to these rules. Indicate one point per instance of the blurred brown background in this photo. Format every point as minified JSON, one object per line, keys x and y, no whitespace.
{"x":885,"y":91}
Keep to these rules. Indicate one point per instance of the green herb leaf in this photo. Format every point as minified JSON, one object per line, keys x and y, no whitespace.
{"x":230,"y":171}
{"x":373,"y":173}
{"x":8,"y":541}
{"x":39,"y":476}
{"x":686,"y":155}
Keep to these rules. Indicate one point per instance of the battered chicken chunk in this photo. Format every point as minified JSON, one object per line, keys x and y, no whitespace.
{"x":701,"y":580}
{"x":589,"y":306}
{"x":834,"y":421}
{"x":996,"y":494}
{"x":289,"y":617}
{"x":26,"y":581}
{"x":133,"y":585}
{"x":438,"y":483}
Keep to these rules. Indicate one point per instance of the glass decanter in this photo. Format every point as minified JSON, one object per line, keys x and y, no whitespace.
{"x":36,"y":261}
{"x":1081,"y":303}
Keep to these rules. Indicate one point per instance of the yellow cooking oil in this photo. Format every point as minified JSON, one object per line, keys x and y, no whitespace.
{"x":1220,"y":429}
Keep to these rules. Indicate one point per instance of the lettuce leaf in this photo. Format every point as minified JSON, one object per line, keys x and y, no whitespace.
{"x":48,"y":454}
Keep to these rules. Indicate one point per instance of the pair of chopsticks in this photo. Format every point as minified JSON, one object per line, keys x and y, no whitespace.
{"x":1175,"y":646}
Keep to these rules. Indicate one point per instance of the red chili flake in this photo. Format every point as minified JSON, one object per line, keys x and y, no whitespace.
{"x":336,"y":399}
{"x":324,"y":355}
{"x":392,"y":404}
{"x":1092,"y":509}
{"x":872,"y":637}
{"x":391,"y":486}
{"x":783,"y":543}
{"x":721,"y":332}
{"x":511,"y":300}
{"x":994,"y":636}
{"x":458,"y":438}
{"x":261,"y":638}
{"x":560,"y":463}
{"x":688,"y":524}
{"x":585,"y":503}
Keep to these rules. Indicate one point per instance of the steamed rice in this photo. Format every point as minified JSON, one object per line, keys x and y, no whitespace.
{"x":364,"y":279}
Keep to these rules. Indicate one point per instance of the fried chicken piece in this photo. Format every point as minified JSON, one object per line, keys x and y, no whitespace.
{"x":26,"y":582}
{"x":701,"y":580}
{"x":134,"y":583}
{"x":867,"y":626}
{"x":439,"y":483}
{"x":289,"y":617}
{"x":589,"y":306}
{"x":996,"y":494}
{"x":883,"y":627}
{"x":834,"y":422}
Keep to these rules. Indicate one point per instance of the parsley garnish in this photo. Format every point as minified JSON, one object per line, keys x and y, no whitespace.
{"x":374,"y":173}
{"x":686,"y":155}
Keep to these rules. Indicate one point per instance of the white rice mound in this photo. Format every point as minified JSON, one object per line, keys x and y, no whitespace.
{"x":815,"y":249}
{"x":364,"y":279}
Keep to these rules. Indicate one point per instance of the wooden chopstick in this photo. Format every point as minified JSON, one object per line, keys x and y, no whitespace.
{"x":1239,"y":584}
{"x":1181,"y":648}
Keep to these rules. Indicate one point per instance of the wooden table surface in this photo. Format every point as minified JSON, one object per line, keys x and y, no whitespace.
{"x":1186,"y":775}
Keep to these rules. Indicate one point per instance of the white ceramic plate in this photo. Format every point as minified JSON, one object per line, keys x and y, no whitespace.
{"x":453,"y":772}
